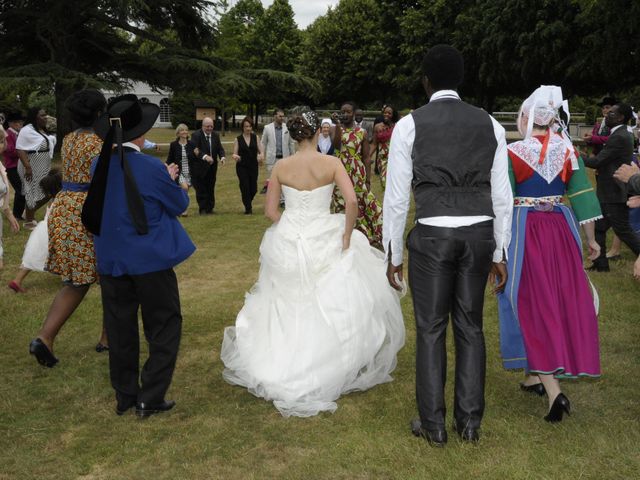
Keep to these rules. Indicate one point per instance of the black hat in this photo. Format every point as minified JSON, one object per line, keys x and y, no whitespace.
{"x":125,"y":119}
{"x":14,"y":117}
{"x":136,"y":118}
{"x":608,"y":101}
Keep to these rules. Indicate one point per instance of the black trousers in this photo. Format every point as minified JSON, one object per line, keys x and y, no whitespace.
{"x":448,"y":270}
{"x":204,"y":183}
{"x":616,"y":216}
{"x":248,"y":179}
{"x":157,"y":294}
{"x":19,"y":201}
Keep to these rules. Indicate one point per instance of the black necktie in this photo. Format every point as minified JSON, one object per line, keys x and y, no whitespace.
{"x":209,"y":143}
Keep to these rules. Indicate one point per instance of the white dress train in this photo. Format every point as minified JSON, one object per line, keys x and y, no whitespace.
{"x":319,"y":322}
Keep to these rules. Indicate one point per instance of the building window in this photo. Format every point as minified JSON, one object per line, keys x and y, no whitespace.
{"x":165,"y":110}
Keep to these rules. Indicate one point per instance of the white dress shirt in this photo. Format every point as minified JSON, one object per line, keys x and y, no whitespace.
{"x":398,"y":190}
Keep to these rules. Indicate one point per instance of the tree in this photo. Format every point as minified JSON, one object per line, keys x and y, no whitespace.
{"x":67,"y":45}
{"x":345,"y":50}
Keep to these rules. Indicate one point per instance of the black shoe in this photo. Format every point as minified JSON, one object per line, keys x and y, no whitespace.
{"x":202,"y":212}
{"x":282,"y":204}
{"x":42,"y":353}
{"x":435,"y":438}
{"x":597,"y":268}
{"x":124,"y":404}
{"x":467,"y":434}
{"x":248,"y":212}
{"x":144,"y":410}
{"x":560,"y":406}
{"x":264,"y":190}
{"x":102,"y":348}
{"x":614,"y":258}
{"x":537,"y":388}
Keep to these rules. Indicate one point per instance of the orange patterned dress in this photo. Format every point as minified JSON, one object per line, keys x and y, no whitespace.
{"x":369,"y":220}
{"x":71,"y":253}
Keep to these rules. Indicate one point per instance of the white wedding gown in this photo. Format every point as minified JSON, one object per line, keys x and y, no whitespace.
{"x":319,"y":322}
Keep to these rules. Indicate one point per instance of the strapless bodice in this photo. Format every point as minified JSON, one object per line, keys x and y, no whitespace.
{"x":304,"y":205}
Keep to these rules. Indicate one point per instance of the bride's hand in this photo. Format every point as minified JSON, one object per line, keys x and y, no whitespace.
{"x":346,"y":242}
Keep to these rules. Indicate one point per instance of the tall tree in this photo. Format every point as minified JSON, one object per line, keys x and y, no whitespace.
{"x":72,"y":44}
{"x":345,"y":50}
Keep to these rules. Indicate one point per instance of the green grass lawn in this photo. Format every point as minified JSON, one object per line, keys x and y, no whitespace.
{"x":60,"y":422}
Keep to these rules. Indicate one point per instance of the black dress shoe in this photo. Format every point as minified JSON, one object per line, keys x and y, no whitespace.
{"x":100,"y":347}
{"x":42,"y":353}
{"x":560,"y":406}
{"x":124,"y":404}
{"x":145,"y":410}
{"x":598,"y":268}
{"x":435,"y":438}
{"x":537,"y":388}
{"x":467,"y":434}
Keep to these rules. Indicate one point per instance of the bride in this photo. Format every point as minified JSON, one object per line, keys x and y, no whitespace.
{"x":322,"y":319}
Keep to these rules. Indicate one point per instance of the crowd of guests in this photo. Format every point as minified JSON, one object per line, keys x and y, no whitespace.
{"x":542,"y":169}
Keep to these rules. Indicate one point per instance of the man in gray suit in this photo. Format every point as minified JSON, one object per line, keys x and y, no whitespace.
{"x":630,"y":174}
{"x":276,"y":142}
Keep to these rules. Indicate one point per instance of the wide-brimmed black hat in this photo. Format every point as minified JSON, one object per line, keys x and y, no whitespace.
{"x":608,"y":101}
{"x":135,"y":118}
{"x":126,"y":119}
{"x":14,"y":116}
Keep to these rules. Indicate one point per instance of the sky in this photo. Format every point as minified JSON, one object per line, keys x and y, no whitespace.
{"x":306,"y":11}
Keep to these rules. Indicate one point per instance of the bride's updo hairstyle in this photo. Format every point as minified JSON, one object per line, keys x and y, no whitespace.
{"x":303,"y":126}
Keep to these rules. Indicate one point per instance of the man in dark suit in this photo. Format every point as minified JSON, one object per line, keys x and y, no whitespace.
{"x":454,"y":156}
{"x":205,"y":166}
{"x":612,"y":193}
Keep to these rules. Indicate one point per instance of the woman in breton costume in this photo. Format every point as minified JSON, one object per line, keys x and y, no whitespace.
{"x":548,"y":321}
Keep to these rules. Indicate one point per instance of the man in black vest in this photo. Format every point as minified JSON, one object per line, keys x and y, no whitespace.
{"x":612,"y":193}
{"x":454,"y":156}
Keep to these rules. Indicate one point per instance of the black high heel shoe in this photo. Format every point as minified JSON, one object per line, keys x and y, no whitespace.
{"x":537,"y":388}
{"x":560,"y":406}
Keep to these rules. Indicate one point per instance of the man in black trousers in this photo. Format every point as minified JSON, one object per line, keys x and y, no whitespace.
{"x":454,"y":156}
{"x":612,"y":193}
{"x":208,"y":148}
{"x":131,"y":208}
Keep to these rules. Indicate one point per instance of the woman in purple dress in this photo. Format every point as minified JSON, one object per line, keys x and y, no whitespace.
{"x":548,"y":321}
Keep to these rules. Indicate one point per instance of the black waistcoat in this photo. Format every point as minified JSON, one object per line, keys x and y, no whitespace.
{"x":453,"y":153}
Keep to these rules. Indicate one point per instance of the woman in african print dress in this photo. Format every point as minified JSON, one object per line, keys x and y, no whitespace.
{"x":382,"y":138}
{"x":354,"y":154}
{"x":71,"y":253}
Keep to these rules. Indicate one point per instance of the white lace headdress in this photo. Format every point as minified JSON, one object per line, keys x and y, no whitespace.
{"x":542,"y":108}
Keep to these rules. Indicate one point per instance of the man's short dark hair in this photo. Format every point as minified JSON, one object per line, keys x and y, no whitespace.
{"x":278,"y":110}
{"x":626,"y":111}
{"x":443,"y":65}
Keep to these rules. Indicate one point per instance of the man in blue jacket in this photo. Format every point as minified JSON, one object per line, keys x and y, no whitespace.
{"x":132,"y":209}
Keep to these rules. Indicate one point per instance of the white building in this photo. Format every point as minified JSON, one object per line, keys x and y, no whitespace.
{"x":148,"y":94}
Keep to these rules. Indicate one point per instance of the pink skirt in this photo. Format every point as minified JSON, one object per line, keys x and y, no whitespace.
{"x":555,"y":307}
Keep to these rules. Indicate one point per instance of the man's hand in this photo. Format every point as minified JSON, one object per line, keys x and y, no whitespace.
{"x":633,"y":202}
{"x":392,"y":272}
{"x":587,"y":137}
{"x":173,"y":170}
{"x":625,"y":172}
{"x":222,"y":160}
{"x":498,"y":273}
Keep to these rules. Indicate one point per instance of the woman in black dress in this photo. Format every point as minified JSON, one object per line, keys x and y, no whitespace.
{"x":247,"y":152}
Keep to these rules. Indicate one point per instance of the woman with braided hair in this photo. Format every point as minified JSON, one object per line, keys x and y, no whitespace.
{"x":321,"y":320}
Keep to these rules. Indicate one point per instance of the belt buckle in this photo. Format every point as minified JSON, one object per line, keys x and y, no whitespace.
{"x":543,"y":206}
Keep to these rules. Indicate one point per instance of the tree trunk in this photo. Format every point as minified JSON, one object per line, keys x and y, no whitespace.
{"x":62,"y":91}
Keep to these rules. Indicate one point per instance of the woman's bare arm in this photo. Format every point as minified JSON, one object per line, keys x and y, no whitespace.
{"x":272,"y":202}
